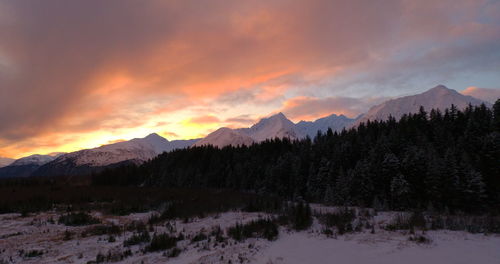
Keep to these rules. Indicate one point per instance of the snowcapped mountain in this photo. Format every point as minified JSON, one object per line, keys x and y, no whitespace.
{"x":23,"y":167}
{"x":136,"y":151}
{"x":439,"y":97}
{"x":5,"y":161}
{"x":335,"y":122}
{"x":276,"y":126}
{"x":224,"y":137}
{"x":35,"y":159}
{"x":279,"y":126}
{"x":139,"y":149}
{"x":86,"y":161}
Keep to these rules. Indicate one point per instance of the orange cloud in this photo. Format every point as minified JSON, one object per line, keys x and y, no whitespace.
{"x":169,"y":134}
{"x":68,"y":82}
{"x":486,"y":94}
{"x":239,"y":121}
{"x":207,"y":119}
{"x":114,"y":141}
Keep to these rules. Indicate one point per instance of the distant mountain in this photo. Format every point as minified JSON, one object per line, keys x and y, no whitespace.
{"x":136,"y":151}
{"x":5,"y":161}
{"x":335,"y":122}
{"x":276,"y":126}
{"x":139,"y":150}
{"x":35,"y":159}
{"x":86,"y":161}
{"x":25,"y":166}
{"x":224,"y":137}
{"x":439,"y":97}
{"x":279,"y":126}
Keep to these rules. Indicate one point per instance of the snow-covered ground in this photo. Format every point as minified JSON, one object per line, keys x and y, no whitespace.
{"x":37,"y":232}
{"x":382,"y":248}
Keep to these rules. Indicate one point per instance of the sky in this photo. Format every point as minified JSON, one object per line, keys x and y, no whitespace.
{"x":79,"y":74}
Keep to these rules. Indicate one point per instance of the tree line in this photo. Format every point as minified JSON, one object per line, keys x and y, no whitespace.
{"x":439,"y":160}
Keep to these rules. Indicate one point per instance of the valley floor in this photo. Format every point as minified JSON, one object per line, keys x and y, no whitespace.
{"x":37,"y":233}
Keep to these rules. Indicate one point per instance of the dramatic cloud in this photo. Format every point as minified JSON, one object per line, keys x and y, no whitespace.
{"x":241,"y":121}
{"x":169,"y":134}
{"x":208,"y":119}
{"x":486,"y":94}
{"x":77,"y":74}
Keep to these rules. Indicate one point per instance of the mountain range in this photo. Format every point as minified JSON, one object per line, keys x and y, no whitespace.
{"x":139,"y":150}
{"x":85,"y":161}
{"x":24,"y":167}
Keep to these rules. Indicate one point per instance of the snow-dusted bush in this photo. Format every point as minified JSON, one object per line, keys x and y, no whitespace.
{"x":407,"y":221}
{"x":100,"y":230}
{"x":162,"y":242}
{"x":137,"y":238}
{"x":77,"y":219}
{"x":341,"y":220}
{"x":296,"y":215}
{"x":199,"y":237}
{"x":32,"y":253}
{"x":262,"y":228}
{"x":113,"y":255}
{"x":420,"y":239}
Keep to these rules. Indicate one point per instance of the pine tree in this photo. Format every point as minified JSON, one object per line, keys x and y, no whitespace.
{"x":400,"y":191}
{"x":342,"y":191}
{"x":329,"y":195}
{"x":448,"y":160}
{"x":363,"y":179}
{"x":496,"y":115}
{"x":317,"y":181}
{"x":473,"y":189}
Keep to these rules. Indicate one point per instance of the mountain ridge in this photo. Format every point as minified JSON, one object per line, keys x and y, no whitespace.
{"x":138,"y":150}
{"x":438,"y":97}
{"x":135,"y":151}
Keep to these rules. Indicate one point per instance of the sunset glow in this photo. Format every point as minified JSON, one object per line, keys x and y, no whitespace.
{"x":80,"y":74}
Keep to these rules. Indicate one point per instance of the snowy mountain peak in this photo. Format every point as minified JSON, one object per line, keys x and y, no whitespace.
{"x":159,"y":143}
{"x":333,"y":121}
{"x":274,"y":120}
{"x":278,"y":116}
{"x":154,"y":137}
{"x":441,"y":87}
{"x":439,"y":97}
{"x":35,"y":159}
{"x":277,"y":125}
{"x":441,"y":90}
{"x":138,"y":149}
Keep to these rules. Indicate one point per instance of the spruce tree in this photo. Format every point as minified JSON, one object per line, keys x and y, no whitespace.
{"x":496,"y":115}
